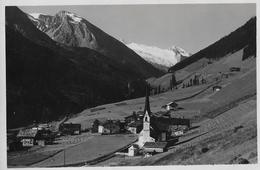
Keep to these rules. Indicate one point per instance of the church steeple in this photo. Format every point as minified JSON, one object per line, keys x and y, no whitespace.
{"x":144,"y":136}
{"x":147,"y":103}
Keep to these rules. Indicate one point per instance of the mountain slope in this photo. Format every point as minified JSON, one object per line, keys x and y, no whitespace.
{"x":160,"y":58}
{"x":229,"y":51}
{"x":243,"y":36}
{"x":46,"y":79}
{"x":72,"y":30}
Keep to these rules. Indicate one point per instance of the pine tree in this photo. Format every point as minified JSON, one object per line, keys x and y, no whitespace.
{"x":174,"y":82}
{"x":171,"y":85}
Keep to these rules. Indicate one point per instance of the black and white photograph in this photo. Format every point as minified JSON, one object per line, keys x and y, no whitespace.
{"x":129,"y":84}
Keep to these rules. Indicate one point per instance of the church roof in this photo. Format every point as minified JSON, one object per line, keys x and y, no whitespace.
{"x":147,"y":103}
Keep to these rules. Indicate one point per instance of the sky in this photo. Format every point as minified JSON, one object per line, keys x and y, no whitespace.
{"x":189,"y":26}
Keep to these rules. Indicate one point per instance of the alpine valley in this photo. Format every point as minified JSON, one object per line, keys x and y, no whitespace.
{"x":62,"y":64}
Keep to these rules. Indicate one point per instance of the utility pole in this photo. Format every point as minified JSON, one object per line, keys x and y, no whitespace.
{"x":64,"y":158}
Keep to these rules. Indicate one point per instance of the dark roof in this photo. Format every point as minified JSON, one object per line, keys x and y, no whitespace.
{"x":135,"y":146}
{"x":155,"y":145}
{"x":159,"y":126}
{"x":71,"y":125}
{"x":27,"y":133}
{"x":217,"y":86}
{"x":110,"y":122}
{"x":173,"y":104}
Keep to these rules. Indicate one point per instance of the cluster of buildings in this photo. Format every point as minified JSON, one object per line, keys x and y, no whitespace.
{"x":40,"y":135}
{"x":37,"y":135}
{"x":155,"y":133}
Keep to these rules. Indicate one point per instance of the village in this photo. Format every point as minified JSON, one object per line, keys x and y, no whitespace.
{"x":167,"y":84}
{"x":154,"y":133}
{"x":150,"y":132}
{"x":102,"y":135}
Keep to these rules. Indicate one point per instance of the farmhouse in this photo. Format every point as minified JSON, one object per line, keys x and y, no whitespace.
{"x":31,"y":137}
{"x":170,"y":106}
{"x":155,"y":147}
{"x":165,"y":129}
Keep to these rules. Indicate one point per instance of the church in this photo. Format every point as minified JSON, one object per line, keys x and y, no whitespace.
{"x":157,"y":132}
{"x":151,"y":138}
{"x":145,"y":135}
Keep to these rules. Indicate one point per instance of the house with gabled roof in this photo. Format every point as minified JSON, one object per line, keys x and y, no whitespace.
{"x":170,"y":106}
{"x":28,"y":137}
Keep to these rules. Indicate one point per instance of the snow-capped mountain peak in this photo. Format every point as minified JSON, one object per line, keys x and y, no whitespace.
{"x":66,"y":28}
{"x":180,"y":51}
{"x":157,"y":56}
{"x":71,"y":15}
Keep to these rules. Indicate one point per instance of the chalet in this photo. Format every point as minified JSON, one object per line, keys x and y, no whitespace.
{"x":27,"y":137}
{"x":155,"y":147}
{"x":234,"y":69}
{"x":170,"y":106}
{"x":164,"y":129}
{"x":30,"y":137}
{"x":70,"y":128}
{"x":216,"y":88}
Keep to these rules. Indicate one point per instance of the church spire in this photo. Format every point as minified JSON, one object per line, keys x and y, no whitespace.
{"x":147,"y":103}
